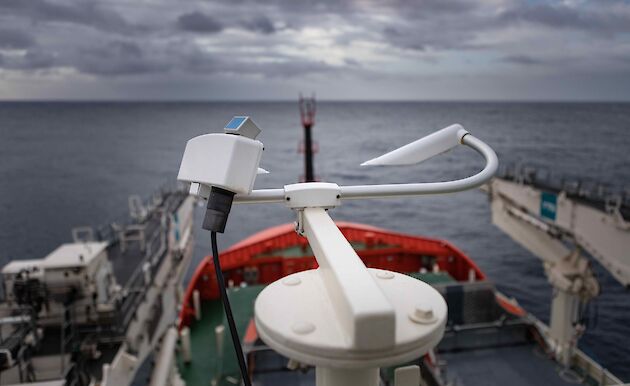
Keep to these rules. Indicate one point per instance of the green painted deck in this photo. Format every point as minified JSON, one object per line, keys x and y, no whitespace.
{"x":206,"y":364}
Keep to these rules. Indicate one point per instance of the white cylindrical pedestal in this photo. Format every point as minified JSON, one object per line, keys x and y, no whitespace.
{"x":184,"y":337}
{"x":197,"y":304}
{"x":325,"y":376}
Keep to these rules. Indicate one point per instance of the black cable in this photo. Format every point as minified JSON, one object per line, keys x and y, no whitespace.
{"x":228,"y":311}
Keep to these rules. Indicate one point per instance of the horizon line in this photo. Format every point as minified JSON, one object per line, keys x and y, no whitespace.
{"x":324,"y":100}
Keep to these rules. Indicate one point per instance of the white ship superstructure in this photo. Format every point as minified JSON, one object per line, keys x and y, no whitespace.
{"x":96,"y":310}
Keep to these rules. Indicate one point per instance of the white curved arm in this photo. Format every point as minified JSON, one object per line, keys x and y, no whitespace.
{"x":400,"y":190}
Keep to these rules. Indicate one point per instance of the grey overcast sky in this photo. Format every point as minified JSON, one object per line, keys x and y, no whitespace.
{"x":270,"y":50}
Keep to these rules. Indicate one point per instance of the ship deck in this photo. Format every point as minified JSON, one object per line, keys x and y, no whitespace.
{"x":475,"y":353}
{"x":488,"y":339}
{"x":519,"y":365}
{"x":482,"y":355}
{"x":110,"y":327}
{"x":125,"y":263}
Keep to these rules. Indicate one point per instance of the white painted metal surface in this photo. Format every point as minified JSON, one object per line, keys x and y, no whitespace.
{"x":184,"y":336}
{"x":312,"y":195}
{"x":163,"y":290}
{"x":75,"y":255}
{"x":519,"y":210}
{"x":345,"y":377}
{"x":365,"y":314}
{"x":406,"y":190}
{"x":224,"y":160}
{"x":422,"y":149}
{"x":165,"y":371}
{"x":343,"y":315}
{"x":407,"y":376}
{"x":605,"y":235}
{"x":197,"y":304}
{"x":31,"y":266}
{"x":397,"y":190}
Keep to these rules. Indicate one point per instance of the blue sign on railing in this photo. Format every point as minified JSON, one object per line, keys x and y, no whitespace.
{"x":548,"y":205}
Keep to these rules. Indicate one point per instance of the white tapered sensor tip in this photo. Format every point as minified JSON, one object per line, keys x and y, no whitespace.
{"x":422,"y":149}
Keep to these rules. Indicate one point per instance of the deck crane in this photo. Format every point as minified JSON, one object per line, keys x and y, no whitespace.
{"x":558,"y":224}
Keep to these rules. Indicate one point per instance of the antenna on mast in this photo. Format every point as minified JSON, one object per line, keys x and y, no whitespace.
{"x":308,"y":107}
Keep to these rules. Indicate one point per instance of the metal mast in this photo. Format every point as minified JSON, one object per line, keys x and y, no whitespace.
{"x":307,"y":115}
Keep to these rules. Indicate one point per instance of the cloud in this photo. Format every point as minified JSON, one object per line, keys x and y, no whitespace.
{"x":82,"y":12}
{"x":260,"y":23}
{"x":521,"y":59}
{"x":38,"y":59}
{"x":286,"y":69}
{"x":199,"y":22}
{"x":563,"y":16}
{"x":430,"y":8}
{"x":15,"y":39}
{"x":282,"y":67}
{"x":352,"y":62}
{"x":118,"y":58}
{"x":347,"y":45}
{"x":32,"y":59}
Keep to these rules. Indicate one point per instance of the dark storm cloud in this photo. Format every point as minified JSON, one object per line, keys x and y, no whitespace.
{"x":352,"y":62}
{"x":562,"y":16}
{"x":326,"y":39}
{"x":408,"y":39}
{"x":287,"y":69}
{"x":38,"y":59}
{"x":32,"y":59}
{"x":260,"y":23}
{"x":421,"y":38}
{"x":430,"y":8}
{"x":15,"y":39}
{"x":87,"y":13}
{"x":453,"y":24}
{"x":438,"y":24}
{"x":521,"y":59}
{"x":199,"y":22}
{"x":305,"y":7}
{"x":118,"y":58}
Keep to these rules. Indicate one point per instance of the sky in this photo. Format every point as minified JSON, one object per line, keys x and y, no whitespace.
{"x":341,"y":50}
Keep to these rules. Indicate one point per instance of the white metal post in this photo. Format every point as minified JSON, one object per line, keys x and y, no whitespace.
{"x":564,"y":312}
{"x":344,"y":318}
{"x":325,"y":376}
{"x":164,"y":365}
{"x":360,"y":304}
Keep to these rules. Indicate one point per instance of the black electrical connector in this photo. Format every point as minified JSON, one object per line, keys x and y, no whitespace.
{"x":218,"y":209}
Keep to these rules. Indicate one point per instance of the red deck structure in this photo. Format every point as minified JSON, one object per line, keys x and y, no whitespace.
{"x":263,"y":253}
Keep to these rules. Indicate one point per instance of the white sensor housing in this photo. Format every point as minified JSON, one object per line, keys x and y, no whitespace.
{"x":223,"y":160}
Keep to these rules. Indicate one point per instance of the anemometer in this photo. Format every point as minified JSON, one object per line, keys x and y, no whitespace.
{"x":344,"y":318}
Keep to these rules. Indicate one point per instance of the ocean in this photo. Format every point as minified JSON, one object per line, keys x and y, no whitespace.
{"x":68,"y":164}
